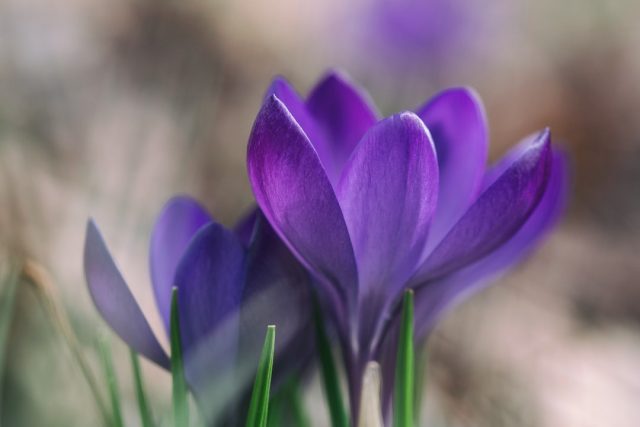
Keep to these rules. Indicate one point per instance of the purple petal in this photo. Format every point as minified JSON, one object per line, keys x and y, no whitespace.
{"x":388,"y":193}
{"x":497,"y":214}
{"x":343,"y":114}
{"x":210,"y":281}
{"x":281,"y":88}
{"x":295,"y":195}
{"x":176,"y":225}
{"x":275,"y":279}
{"x":458,"y":126}
{"x":496,"y":170}
{"x":434,"y":298}
{"x":114,"y":300}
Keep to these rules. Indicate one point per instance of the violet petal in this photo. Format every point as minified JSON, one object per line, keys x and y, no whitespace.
{"x":458,"y":126}
{"x":388,"y":193}
{"x":294,"y":193}
{"x":343,"y":114}
{"x":432,"y":299}
{"x":176,"y":225}
{"x":496,"y":216}
{"x":114,"y":300}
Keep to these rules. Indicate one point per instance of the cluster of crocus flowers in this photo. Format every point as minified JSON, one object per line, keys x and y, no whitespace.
{"x":374,"y":206}
{"x":354,"y":207}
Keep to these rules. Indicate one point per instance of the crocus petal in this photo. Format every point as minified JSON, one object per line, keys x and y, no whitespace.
{"x":434,"y":298}
{"x":114,"y":300}
{"x":497,"y":214}
{"x":209,"y":278}
{"x":176,"y":225}
{"x":388,"y":193}
{"x":274,"y":274}
{"x":295,"y":195}
{"x":458,"y":126}
{"x":281,"y":88}
{"x":342,"y":114}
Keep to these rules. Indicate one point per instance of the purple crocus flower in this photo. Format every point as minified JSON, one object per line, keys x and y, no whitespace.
{"x":373,"y":206}
{"x":223,"y":278}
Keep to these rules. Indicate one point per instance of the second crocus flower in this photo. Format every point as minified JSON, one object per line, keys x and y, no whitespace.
{"x":373,"y":206}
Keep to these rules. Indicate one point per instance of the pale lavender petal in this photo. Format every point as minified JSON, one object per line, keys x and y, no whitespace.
{"x":458,"y":126}
{"x":114,"y":300}
{"x":343,"y":114}
{"x":297,"y":198}
{"x":388,"y":193}
{"x":496,"y":216}
{"x":176,"y":225}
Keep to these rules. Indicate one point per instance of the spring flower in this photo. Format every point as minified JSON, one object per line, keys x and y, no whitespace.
{"x":222,"y":279}
{"x":373,"y":206}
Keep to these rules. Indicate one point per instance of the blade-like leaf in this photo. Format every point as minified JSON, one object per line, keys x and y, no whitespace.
{"x":9,"y":286}
{"x":112,"y":383}
{"x":259,"y":407}
{"x":404,"y":381}
{"x":145,"y":414}
{"x":330,"y":378}
{"x":276,"y":410}
{"x":180,"y":398}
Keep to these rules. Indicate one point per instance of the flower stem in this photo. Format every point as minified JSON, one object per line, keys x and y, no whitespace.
{"x":180,"y":398}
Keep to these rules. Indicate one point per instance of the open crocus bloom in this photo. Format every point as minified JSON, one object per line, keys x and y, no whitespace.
{"x":373,"y":206}
{"x":223,"y":278}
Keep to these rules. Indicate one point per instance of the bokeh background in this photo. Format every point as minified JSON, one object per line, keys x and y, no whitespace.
{"x":109,"y":108}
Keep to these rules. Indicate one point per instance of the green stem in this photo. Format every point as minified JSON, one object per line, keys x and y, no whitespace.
{"x":112,"y":383}
{"x":180,"y":398}
{"x":145,"y":413}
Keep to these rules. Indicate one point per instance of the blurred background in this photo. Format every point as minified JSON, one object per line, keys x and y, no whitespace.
{"x":109,"y":108}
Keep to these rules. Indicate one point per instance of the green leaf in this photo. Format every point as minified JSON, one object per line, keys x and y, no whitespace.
{"x":259,"y":407}
{"x":180,"y":397}
{"x":329,"y":373}
{"x":404,"y":381}
{"x":112,"y":383}
{"x":10,"y":284}
{"x":145,"y":414}
{"x":276,"y":410}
